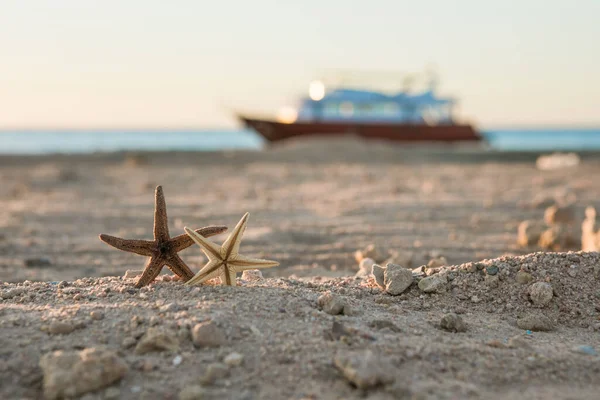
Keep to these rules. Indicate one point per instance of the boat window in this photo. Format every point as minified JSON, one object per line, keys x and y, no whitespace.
{"x":346,"y":108}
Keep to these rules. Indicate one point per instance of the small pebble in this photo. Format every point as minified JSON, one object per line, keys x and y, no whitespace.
{"x":233,"y":359}
{"x":214,"y":372}
{"x":192,"y":392}
{"x":133,"y":273}
{"x":434,"y":283}
{"x":208,"y":334}
{"x":156,"y":339}
{"x":177,"y":360}
{"x":397,"y":279}
{"x":364,"y":369}
{"x":252,"y":275}
{"x":453,"y":323}
{"x":379,"y":275}
{"x":535,"y":323}
{"x":540,"y":293}
{"x":60,"y":328}
{"x":331,"y":303}
{"x":97,"y":315}
{"x":523,"y":277}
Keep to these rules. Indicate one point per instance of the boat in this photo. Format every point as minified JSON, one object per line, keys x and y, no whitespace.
{"x":401,"y":115}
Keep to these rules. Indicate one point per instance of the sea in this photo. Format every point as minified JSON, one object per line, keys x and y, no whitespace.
{"x":92,"y":141}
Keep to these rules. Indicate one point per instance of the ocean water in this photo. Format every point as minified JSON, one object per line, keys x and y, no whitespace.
{"x":47,"y":142}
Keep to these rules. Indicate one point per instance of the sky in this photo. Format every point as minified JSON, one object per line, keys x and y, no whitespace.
{"x":193,"y":64}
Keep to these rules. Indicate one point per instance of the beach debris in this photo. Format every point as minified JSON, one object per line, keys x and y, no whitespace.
{"x":453,"y":323}
{"x":585,"y":349}
{"x":252,"y":275}
{"x":541,"y":293}
{"x":529,"y":232}
{"x":365,"y":267}
{"x":434,"y":283}
{"x":558,"y":215}
{"x":225,"y":260}
{"x":590,"y":238}
{"x":208,"y":334}
{"x":535,"y":323}
{"x":37,"y":262}
{"x":157,"y":339}
{"x":368,"y":252}
{"x":331,"y":303}
{"x":163,"y":249}
{"x":557,"y":161}
{"x":74,"y":373}
{"x":364,"y":369}
{"x":397,"y":279}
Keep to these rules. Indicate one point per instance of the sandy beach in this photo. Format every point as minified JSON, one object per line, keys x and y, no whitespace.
{"x":312,"y":205}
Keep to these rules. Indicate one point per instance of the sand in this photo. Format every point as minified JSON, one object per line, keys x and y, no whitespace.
{"x":312,"y":205}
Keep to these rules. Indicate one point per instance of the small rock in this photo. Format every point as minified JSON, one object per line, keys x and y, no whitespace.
{"x":331,"y":303}
{"x":233,"y":359}
{"x":208,"y":334}
{"x":61,"y":327}
{"x":133,"y":273}
{"x":192,"y":392}
{"x":540,"y":293}
{"x":453,"y":323}
{"x":492,"y":281}
{"x":74,"y":373}
{"x":214,"y":372}
{"x":128,"y":342}
{"x":433,"y":284}
{"x":379,"y":275}
{"x":364,"y":370}
{"x":397,"y":279}
{"x":37,"y":262}
{"x":157,"y":339}
{"x":252,"y":275}
{"x":170,"y":307}
{"x":529,"y":232}
{"x":492,"y":270}
{"x":177,"y":360}
{"x":536,"y":323}
{"x":523,"y":277}
{"x":97,"y":315}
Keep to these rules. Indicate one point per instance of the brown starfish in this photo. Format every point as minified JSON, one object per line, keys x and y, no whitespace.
{"x":163,"y":249}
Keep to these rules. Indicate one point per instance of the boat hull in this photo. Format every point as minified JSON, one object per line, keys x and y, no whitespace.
{"x":274,"y":131}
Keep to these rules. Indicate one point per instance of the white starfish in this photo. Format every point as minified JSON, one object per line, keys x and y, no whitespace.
{"x":225,"y":261}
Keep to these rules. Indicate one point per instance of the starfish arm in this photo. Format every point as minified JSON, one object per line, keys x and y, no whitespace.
{"x":179,"y":268}
{"x":184,"y":241}
{"x":242,"y":263}
{"x":141,"y":247}
{"x":212,"y":250}
{"x":151,"y":271}
{"x":228,"y":277}
{"x":209,"y":271}
{"x":231,"y":247}
{"x":161,"y":225}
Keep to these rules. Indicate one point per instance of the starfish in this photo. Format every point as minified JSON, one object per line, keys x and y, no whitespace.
{"x":225,"y":261}
{"x":163,"y":249}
